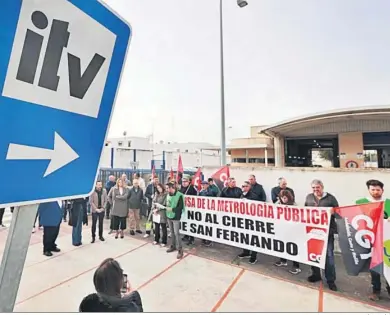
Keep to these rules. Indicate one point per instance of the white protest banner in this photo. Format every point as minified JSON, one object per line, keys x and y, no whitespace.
{"x":291,"y":232}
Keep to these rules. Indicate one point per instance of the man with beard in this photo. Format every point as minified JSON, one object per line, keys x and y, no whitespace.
{"x":98,"y":201}
{"x":187,"y":189}
{"x":375,"y":190}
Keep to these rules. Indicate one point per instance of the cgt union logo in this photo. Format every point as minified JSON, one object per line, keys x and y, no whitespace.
{"x":315,"y":243}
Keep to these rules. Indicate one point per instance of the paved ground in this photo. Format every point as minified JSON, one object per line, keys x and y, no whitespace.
{"x":206,"y":279}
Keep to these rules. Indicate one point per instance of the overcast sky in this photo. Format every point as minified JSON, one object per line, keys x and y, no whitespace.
{"x":283,"y":58}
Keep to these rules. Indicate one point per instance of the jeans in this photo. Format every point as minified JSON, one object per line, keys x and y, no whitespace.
{"x":76,"y":231}
{"x":252,"y":253}
{"x":97,"y":217}
{"x":376,"y":282}
{"x":157,"y":232}
{"x":50,"y":234}
{"x":174,"y":226}
{"x":330,"y":269}
{"x":295,"y":264}
{"x":108,"y":210}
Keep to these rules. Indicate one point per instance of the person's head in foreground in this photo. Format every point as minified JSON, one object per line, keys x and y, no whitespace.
{"x":109,"y":284}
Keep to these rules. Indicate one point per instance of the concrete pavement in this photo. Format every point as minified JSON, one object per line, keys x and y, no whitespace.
{"x":204,"y":280}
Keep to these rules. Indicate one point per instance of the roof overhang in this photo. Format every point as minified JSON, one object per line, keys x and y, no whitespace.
{"x":366,"y":113}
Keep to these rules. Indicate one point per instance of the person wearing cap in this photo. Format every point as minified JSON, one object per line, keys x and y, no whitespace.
{"x":174,"y":210}
{"x":188,"y":189}
{"x":206,"y":191}
{"x":213,"y":187}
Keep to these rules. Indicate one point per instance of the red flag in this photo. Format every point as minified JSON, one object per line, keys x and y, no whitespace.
{"x":360,"y":230}
{"x":180,"y":168}
{"x":221,"y":177}
{"x":171,"y":175}
{"x":197,"y":179}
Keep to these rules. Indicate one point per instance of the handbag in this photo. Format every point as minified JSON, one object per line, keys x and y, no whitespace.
{"x":149,"y":222}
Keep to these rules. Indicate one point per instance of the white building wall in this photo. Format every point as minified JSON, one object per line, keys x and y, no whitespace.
{"x":144,"y":159}
{"x":347,"y":185}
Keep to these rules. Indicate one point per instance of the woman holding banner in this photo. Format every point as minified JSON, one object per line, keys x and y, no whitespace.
{"x":285,"y":197}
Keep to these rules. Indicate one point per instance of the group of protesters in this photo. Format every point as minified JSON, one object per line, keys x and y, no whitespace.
{"x":163,"y":205}
{"x":168,"y":204}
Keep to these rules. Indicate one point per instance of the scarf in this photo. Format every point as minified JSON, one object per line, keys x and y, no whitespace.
{"x":99,"y":194}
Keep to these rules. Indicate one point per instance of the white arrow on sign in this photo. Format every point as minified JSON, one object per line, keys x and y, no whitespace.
{"x":61,"y":155}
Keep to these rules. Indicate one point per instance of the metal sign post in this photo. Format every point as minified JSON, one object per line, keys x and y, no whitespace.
{"x":15,"y":254}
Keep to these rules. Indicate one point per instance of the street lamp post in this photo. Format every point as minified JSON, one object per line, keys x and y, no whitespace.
{"x":241,"y":4}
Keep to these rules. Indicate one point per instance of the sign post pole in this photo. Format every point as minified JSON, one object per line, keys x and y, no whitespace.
{"x":14,"y":256}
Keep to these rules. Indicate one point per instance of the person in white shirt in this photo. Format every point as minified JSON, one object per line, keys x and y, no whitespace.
{"x":141,"y":181}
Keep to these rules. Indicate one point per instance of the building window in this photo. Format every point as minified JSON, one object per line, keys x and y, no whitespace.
{"x":239,"y":160}
{"x":120,"y":143}
{"x":261,"y":160}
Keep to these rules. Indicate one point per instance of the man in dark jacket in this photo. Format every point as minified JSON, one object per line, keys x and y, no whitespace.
{"x":50,"y":214}
{"x":257,"y":189}
{"x":188,"y":189}
{"x":78,"y":217}
{"x":207,"y":191}
{"x":319,"y":198}
{"x":135,"y":197}
{"x":247,"y":193}
{"x":213,"y":187}
{"x":231,"y":191}
{"x":282,"y":185}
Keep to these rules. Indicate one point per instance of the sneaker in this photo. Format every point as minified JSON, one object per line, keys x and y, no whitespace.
{"x":241,"y":256}
{"x":314,"y":278}
{"x":252,"y":261}
{"x":180,"y":254}
{"x":171,"y":249}
{"x":332,"y":286}
{"x":155,"y":243}
{"x":295,"y":271}
{"x":132,"y":232}
{"x":33,"y":230}
{"x":374,"y":297}
{"x":280,"y":263}
{"x":146,"y":235}
{"x":163,"y":245}
{"x":170,"y":235}
{"x":207,"y":243}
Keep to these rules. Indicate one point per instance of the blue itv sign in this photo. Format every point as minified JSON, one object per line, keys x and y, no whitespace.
{"x":60,"y":67}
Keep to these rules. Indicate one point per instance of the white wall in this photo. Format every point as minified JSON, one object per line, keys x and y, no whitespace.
{"x":346,"y":185}
{"x":124,"y":157}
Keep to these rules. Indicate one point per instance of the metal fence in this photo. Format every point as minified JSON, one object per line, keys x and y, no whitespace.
{"x":163,"y":175}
